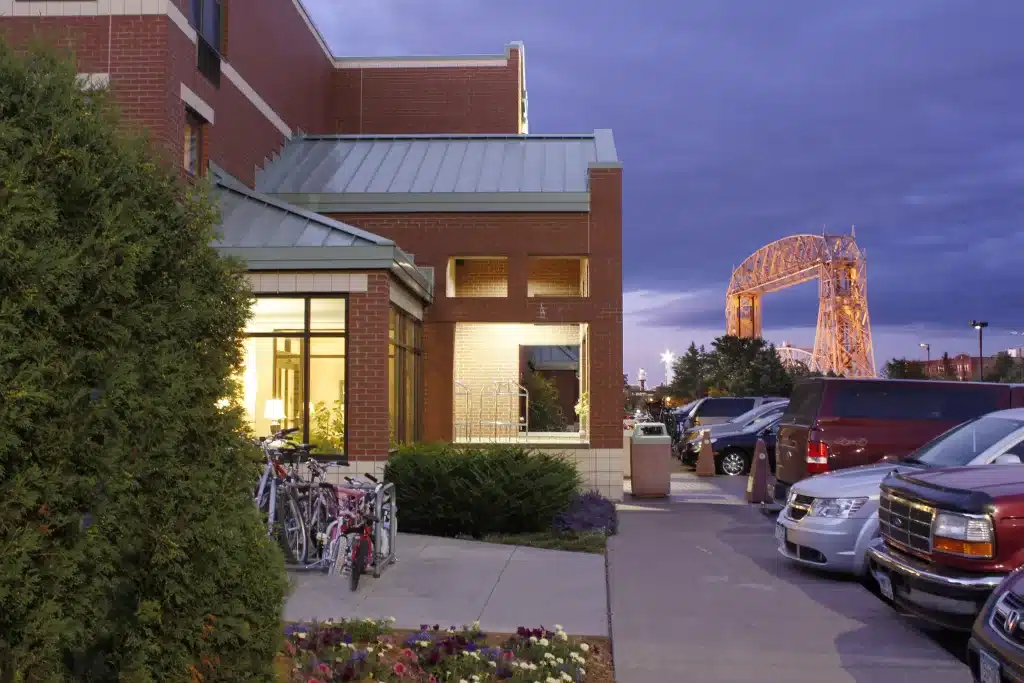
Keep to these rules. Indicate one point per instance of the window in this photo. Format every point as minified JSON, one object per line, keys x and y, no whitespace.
{"x":294,"y":369}
{"x":208,"y":20}
{"x":914,"y":401}
{"x":961,"y":445}
{"x":804,"y":403}
{"x":477,"y":276}
{"x":194,"y":150}
{"x":557,"y":276}
{"x":725,"y":407}
{"x":405,"y":378}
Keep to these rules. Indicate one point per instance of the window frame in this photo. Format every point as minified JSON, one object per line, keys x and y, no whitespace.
{"x":307,"y":334}
{"x":194,"y":119}
{"x":406,"y":338}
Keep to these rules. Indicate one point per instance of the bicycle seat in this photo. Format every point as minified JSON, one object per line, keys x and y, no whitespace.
{"x":305,"y":446}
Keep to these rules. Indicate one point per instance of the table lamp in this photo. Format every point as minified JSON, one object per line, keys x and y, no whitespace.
{"x":273,"y":410}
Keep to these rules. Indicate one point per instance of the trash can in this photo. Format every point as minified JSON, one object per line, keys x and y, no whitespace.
{"x":650,"y":457}
{"x":627,"y":438}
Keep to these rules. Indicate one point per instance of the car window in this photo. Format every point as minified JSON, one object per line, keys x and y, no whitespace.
{"x":913,"y":401}
{"x":725,"y":407}
{"x":804,"y":403}
{"x":1016,"y":449}
{"x":964,"y":443}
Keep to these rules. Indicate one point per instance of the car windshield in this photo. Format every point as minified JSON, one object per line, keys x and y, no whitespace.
{"x":758,"y":416}
{"x":962,"y":444}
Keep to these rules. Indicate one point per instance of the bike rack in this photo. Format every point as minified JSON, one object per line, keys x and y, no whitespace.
{"x":385,"y":532}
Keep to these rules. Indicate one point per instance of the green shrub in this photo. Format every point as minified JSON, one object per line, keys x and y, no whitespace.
{"x":131,"y":550}
{"x":449,"y":490}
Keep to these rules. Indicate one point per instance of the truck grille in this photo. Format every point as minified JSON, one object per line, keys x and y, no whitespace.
{"x":905,"y":523}
{"x":1006,"y":618}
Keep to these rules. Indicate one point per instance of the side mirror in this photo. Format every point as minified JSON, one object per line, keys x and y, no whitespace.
{"x":1007,"y":459}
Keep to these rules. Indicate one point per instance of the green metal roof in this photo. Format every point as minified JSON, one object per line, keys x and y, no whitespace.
{"x":270,"y":234}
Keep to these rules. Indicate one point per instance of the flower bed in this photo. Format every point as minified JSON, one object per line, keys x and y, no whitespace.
{"x":370,"y":650}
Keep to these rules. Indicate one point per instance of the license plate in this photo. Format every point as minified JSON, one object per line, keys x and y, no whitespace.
{"x":885,"y":586}
{"x":989,"y":669}
{"x":780,"y":533}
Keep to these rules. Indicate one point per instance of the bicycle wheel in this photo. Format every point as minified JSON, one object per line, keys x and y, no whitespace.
{"x":292,"y":532}
{"x":318,"y":523}
{"x":360,"y":554}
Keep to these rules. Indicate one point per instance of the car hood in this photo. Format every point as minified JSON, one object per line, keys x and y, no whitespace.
{"x":995,"y":480}
{"x":854,"y":482}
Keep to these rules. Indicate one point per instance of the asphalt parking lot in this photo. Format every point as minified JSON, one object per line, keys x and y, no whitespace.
{"x":698,"y":593}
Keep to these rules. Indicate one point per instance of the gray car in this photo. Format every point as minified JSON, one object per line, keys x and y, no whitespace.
{"x":831,"y":520}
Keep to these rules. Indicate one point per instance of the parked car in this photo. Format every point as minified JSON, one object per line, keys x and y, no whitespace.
{"x":995,"y":652}
{"x":830,"y":521}
{"x":718,"y":409}
{"x":948,"y":538}
{"x":835,"y":423}
{"x":754,"y":420}
{"x":734,"y":451}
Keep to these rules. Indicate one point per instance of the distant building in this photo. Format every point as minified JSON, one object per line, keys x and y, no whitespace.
{"x":963,"y":366}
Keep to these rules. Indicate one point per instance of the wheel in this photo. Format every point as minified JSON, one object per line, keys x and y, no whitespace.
{"x":292,"y":531}
{"x":733,"y":463}
{"x":319,"y":520}
{"x":360,"y":554}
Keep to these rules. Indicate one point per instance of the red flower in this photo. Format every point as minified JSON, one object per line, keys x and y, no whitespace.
{"x":507,"y":654}
{"x":408,"y":653}
{"x":323,"y":668}
{"x":432,"y":679}
{"x":399,"y":669}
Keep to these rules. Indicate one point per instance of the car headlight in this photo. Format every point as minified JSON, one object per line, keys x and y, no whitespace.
{"x":967,"y":535}
{"x":791,"y":497}
{"x":836,"y":507}
{"x":713,"y":440}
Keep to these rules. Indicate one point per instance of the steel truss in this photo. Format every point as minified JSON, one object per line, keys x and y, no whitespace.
{"x":842,"y":343}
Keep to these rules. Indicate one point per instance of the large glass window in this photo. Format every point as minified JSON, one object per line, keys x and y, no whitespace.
{"x":294,"y":369}
{"x":405,"y":378}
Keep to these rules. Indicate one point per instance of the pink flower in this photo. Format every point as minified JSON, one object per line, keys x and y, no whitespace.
{"x":314,"y":680}
{"x":323,"y":668}
{"x":408,"y":653}
{"x":399,"y":669}
{"x":432,"y":679}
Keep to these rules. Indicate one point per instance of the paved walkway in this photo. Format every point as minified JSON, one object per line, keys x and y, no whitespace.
{"x":698,"y":593}
{"x":452,"y":582}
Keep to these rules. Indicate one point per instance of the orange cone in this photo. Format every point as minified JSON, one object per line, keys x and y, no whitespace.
{"x":757,"y":480}
{"x":706,"y":458}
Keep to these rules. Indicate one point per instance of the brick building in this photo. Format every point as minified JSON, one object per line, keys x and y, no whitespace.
{"x":414,"y":251}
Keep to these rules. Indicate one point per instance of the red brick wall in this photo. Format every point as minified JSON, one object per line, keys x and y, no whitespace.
{"x":273,"y":49}
{"x":436,"y":99}
{"x":367,"y":382}
{"x":433,"y":238}
{"x":129,"y":48}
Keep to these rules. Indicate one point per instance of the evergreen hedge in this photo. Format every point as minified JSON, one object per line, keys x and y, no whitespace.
{"x":452,"y":490}
{"x":130,"y":547}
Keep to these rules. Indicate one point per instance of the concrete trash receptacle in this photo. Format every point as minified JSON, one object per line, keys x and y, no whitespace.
{"x":650,"y":454}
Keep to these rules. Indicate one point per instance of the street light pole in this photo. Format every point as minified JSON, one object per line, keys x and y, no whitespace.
{"x":927,"y":350}
{"x":980,"y":325}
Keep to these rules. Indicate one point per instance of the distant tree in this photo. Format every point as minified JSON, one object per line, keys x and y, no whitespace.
{"x":901,"y":368}
{"x":689,"y":377}
{"x":748,"y":367}
{"x":1005,"y":368}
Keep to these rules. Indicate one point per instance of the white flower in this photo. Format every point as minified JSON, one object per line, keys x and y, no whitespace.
{"x":584,"y":647}
{"x":476,"y":625}
{"x":533,"y":639}
{"x":368,"y":620}
{"x":560,"y":661}
{"x":423,"y":643}
{"x":369,"y":650}
{"x":562,"y":635}
{"x":493,"y":664}
{"x":392,"y":619}
{"x":583,"y":672}
{"x":463,"y":680}
{"x":531,"y":666}
{"x":566,"y":677}
{"x":544,"y":642}
{"x":548,"y":655}
{"x":558,"y":628}
{"x":301,"y":635}
{"x":476,"y":678}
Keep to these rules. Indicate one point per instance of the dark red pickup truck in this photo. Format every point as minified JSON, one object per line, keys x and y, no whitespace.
{"x":949,"y":537}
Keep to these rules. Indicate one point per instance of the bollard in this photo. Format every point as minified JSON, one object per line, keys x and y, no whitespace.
{"x":706,"y":458}
{"x":757,"y":480}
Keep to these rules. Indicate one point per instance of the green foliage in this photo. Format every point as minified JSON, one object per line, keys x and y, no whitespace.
{"x":733,"y":367}
{"x":901,"y":368}
{"x":1005,"y":368}
{"x":546,"y":413}
{"x":449,"y":490}
{"x":131,"y":548}
{"x":327,"y":430}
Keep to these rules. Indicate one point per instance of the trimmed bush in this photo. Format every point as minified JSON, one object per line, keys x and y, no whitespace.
{"x":131,"y":550}
{"x":588,"y":512}
{"x":449,"y":490}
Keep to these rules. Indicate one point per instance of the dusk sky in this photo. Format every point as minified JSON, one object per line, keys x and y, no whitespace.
{"x":742,"y":121}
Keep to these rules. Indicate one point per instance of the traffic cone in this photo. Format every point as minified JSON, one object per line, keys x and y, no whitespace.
{"x":757,"y":480}
{"x":706,"y":458}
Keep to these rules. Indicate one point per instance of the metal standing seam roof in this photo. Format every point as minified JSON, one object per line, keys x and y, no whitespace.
{"x":251,"y":219}
{"x":432,"y":165}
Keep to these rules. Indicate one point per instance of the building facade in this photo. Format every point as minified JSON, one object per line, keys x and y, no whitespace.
{"x":422,"y":265}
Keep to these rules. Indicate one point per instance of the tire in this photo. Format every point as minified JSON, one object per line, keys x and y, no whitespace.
{"x":319,"y":520}
{"x":360,"y":554}
{"x":733,"y":463}
{"x":291,"y":531}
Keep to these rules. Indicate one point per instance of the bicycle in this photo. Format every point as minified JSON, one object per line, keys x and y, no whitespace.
{"x":361,"y":552}
{"x":277,"y":485}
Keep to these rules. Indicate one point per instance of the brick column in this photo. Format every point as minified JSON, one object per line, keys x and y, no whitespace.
{"x":438,"y":381}
{"x":367,"y":381}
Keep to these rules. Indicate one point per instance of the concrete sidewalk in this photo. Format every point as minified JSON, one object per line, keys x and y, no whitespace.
{"x":698,"y":593}
{"x":453,"y":582}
